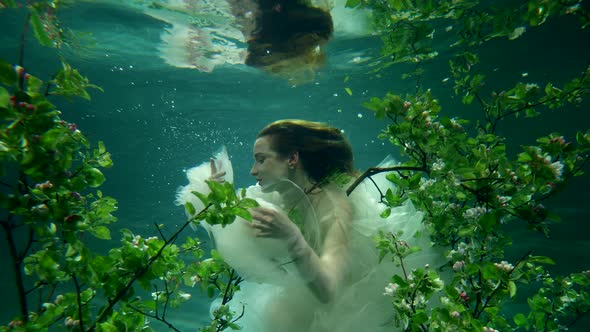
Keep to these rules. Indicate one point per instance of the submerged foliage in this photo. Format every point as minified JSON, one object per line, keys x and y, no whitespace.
{"x":51,"y":208}
{"x":458,"y":172}
{"x":464,"y":179}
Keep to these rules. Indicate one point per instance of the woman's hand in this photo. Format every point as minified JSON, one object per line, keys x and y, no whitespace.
{"x":273,"y":224}
{"x":217,"y":174}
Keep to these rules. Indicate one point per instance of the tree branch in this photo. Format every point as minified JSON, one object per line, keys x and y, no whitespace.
{"x":142,"y":271}
{"x":79,"y":300}
{"x":156,"y":317}
{"x":376,"y":170}
{"x":17,"y":262}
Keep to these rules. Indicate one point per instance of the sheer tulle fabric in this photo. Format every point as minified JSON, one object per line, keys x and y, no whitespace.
{"x":275,"y":299}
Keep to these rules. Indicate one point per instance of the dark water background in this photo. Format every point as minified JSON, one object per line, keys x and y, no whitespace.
{"x":157,"y":120}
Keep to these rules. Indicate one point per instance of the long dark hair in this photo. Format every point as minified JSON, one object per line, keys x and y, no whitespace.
{"x":288,"y":38}
{"x":323,"y":150}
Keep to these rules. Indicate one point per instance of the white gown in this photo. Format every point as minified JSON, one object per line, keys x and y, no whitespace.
{"x":274,"y":297}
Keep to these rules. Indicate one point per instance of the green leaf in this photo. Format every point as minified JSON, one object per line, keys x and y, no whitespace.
{"x":4,"y":98}
{"x":460,"y":195}
{"x":386,"y":213}
{"x":512,"y":288}
{"x":466,"y":231}
{"x":39,"y":31}
{"x":70,"y":83}
{"x":581,"y":138}
{"x":348,"y":91}
{"x":524,"y":157}
{"x":520,"y":320}
{"x":217,"y":191}
{"x":202,"y":197}
{"x":419,"y":318}
{"x":101,"y":147}
{"x":108,"y":327}
{"x":101,"y":232}
{"x":397,"y":4}
{"x":242,"y":213}
{"x":34,"y":85}
{"x":94,"y":177}
{"x":352,"y":4}
{"x":248,"y":203}
{"x":488,"y":221}
{"x":468,"y":99}
{"x":7,"y":73}
{"x":190,"y":208}
{"x":210,"y":291}
{"x":414,"y":181}
{"x":541,"y":259}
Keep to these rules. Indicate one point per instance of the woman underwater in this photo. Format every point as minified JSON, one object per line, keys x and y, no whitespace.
{"x":308,"y":258}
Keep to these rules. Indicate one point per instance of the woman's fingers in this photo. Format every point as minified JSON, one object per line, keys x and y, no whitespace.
{"x":216,"y":175}
{"x":213,"y":166}
{"x":263,"y":230}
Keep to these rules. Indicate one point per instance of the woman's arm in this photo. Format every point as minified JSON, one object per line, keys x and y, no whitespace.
{"x":322,"y":272}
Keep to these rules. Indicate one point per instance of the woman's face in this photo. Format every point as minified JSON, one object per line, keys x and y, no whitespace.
{"x":268,"y":167}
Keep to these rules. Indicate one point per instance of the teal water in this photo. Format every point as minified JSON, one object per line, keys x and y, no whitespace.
{"x":157,"y":120}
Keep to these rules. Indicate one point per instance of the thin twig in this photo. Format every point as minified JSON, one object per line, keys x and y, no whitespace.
{"x":167,"y":300}
{"x":21,"y":52}
{"x":227,"y":288}
{"x":160,"y":231}
{"x":37,"y":286}
{"x":79,"y":300}
{"x":485,"y":305}
{"x":376,"y":170}
{"x":6,"y":185}
{"x":154,"y":317}
{"x":17,"y":262}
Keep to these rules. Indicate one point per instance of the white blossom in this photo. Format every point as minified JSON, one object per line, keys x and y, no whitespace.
{"x":59,"y":299}
{"x":503,"y":199}
{"x":557,"y":169}
{"x":184,"y":296}
{"x":474,"y":213}
{"x":156,"y":295}
{"x":390,"y":289}
{"x":426,"y":184}
{"x":138,"y":243}
{"x":405,"y":305}
{"x":438,"y":165}
{"x":70,"y":322}
{"x":504,"y":266}
{"x":195,"y":279}
{"x":438,"y":283}
{"x":420,"y":299}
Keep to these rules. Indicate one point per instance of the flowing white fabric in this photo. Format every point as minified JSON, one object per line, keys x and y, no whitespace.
{"x":275,"y":299}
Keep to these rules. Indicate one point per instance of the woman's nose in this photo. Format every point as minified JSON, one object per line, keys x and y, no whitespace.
{"x":253,"y":170}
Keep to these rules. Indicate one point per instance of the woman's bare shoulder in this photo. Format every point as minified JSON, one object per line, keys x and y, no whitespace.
{"x":333,"y":201}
